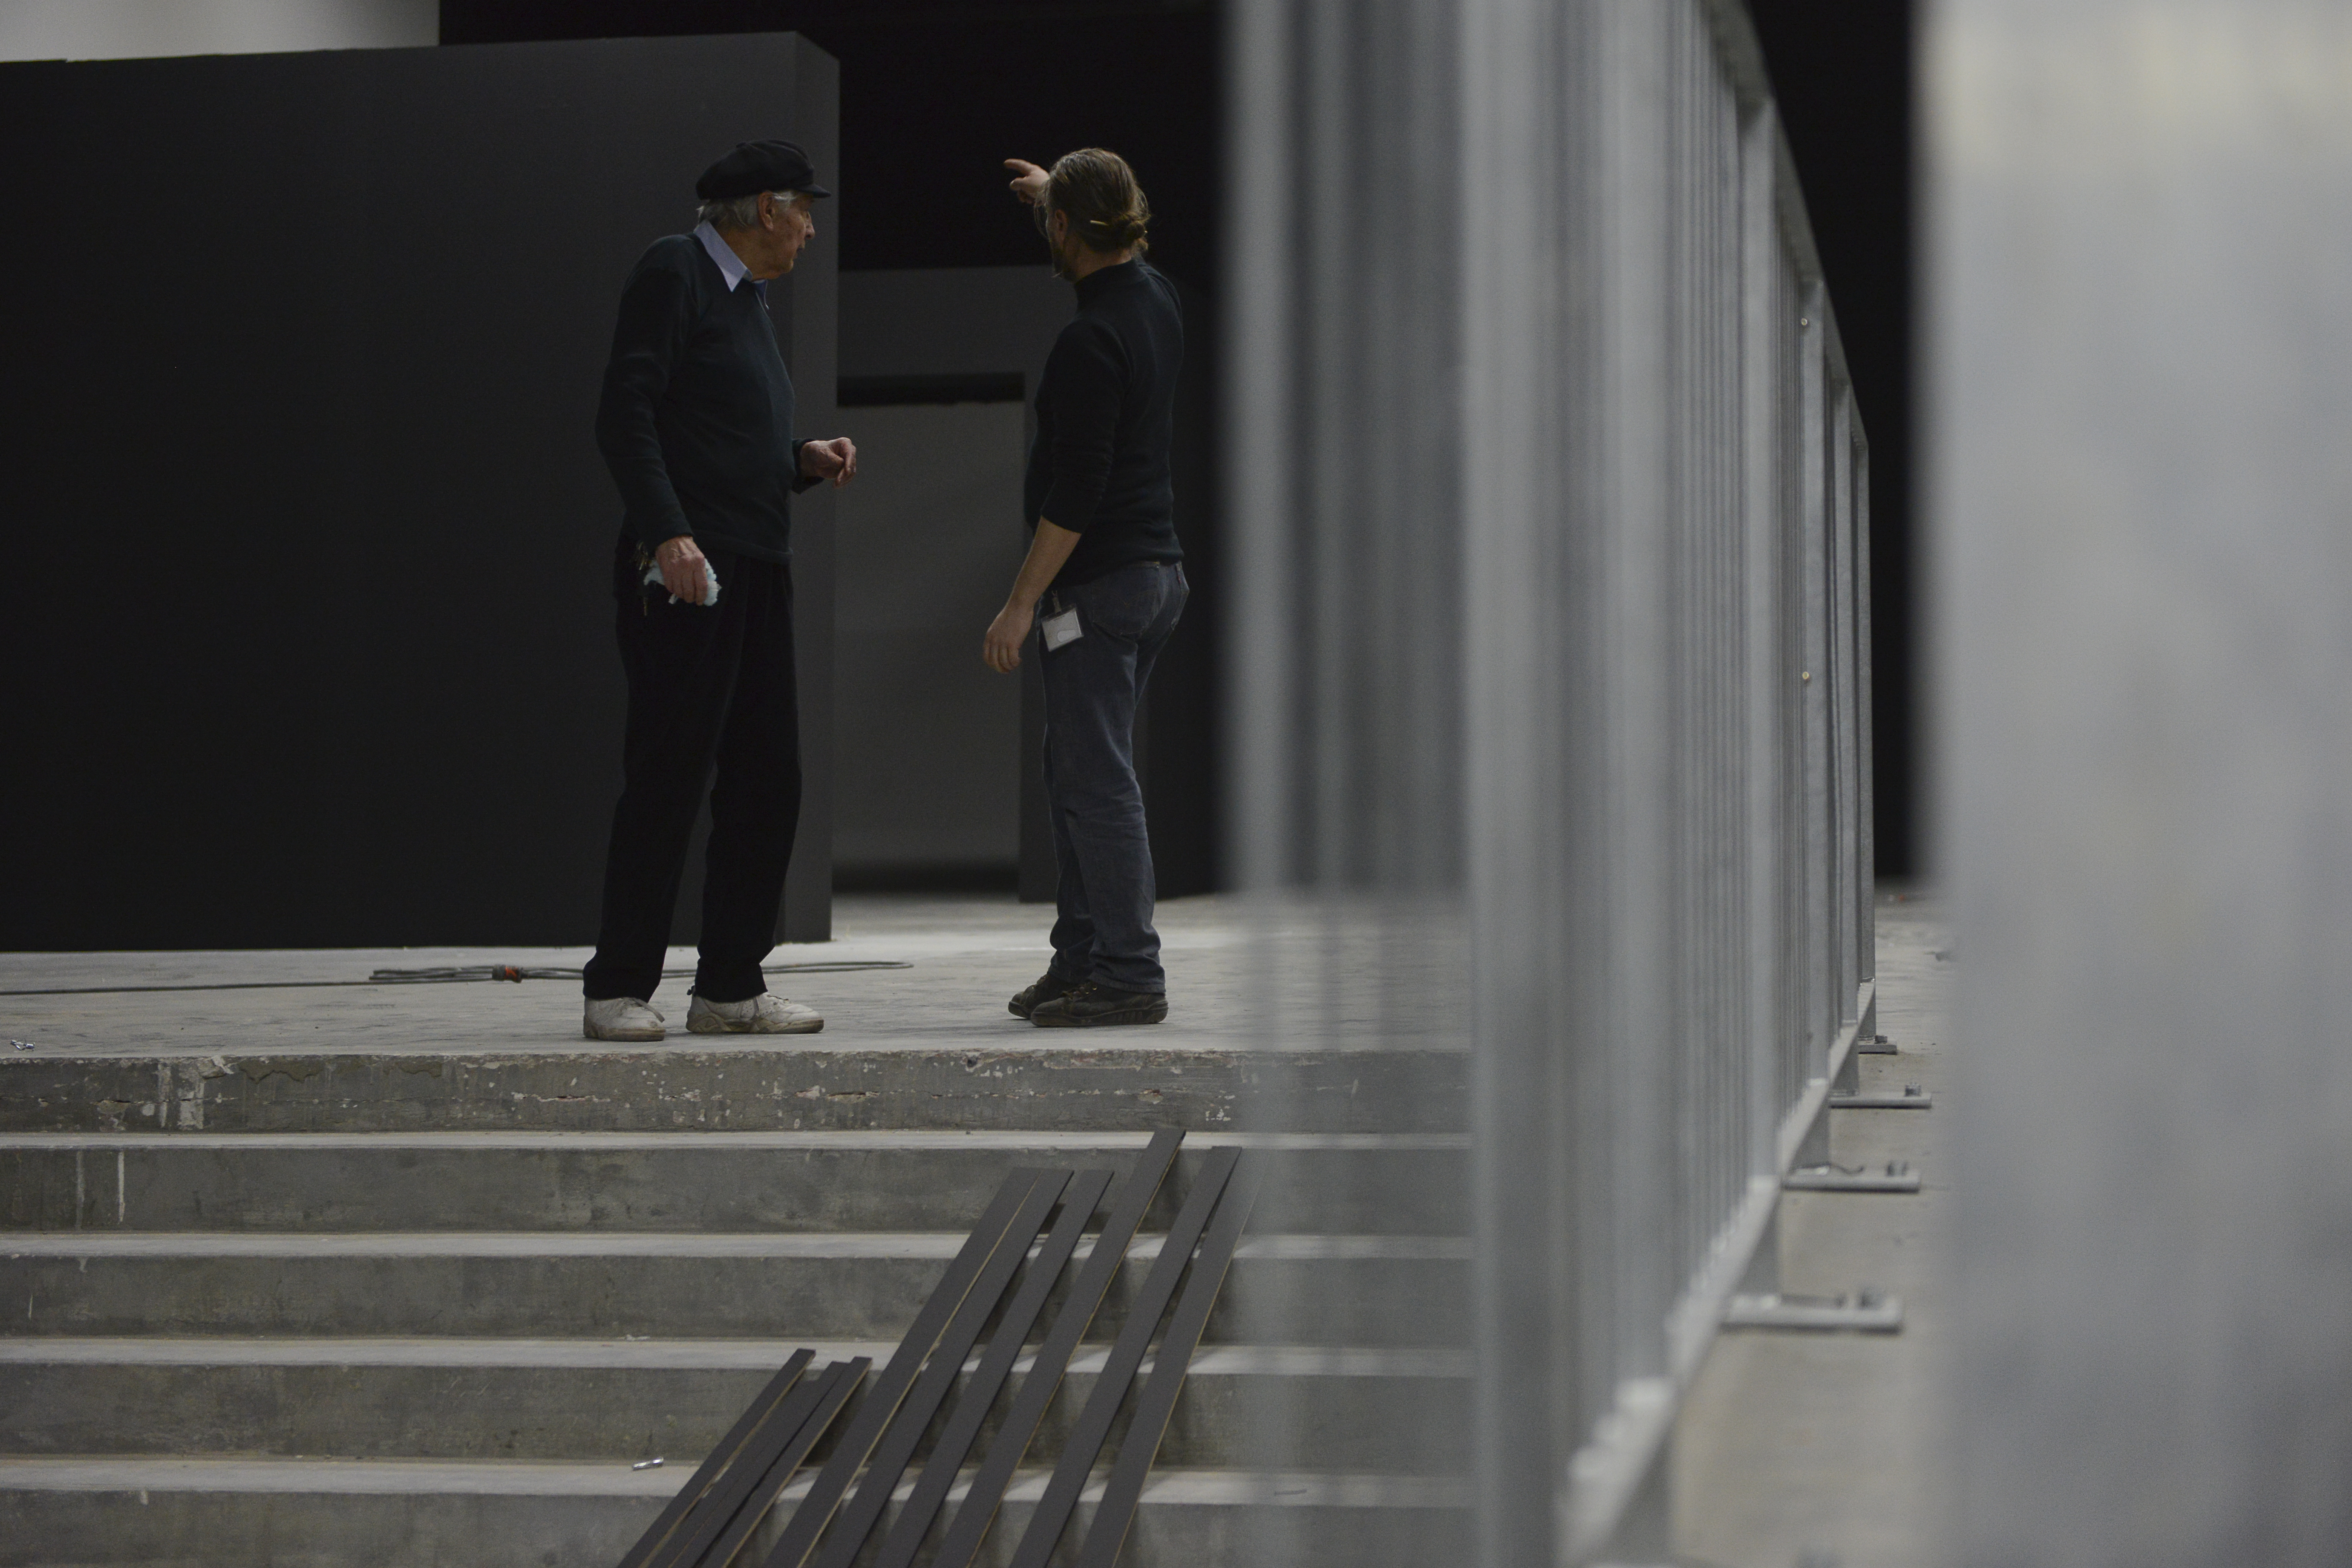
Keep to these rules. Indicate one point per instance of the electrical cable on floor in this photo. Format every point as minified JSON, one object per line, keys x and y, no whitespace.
{"x":441,"y":977}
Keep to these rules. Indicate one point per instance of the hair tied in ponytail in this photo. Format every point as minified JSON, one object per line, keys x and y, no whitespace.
{"x":1104,"y":203}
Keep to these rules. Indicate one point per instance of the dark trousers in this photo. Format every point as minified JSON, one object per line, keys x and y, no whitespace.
{"x":708,"y":684}
{"x":1101,"y":849}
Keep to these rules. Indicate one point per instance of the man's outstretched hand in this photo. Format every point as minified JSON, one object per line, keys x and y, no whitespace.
{"x":1029,"y":181}
{"x":835,"y":460}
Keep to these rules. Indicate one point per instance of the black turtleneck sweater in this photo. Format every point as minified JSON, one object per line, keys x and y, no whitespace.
{"x":1106,"y":419}
{"x":696,"y":423}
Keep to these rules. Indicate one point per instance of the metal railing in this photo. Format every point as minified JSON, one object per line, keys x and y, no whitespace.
{"x":1552,"y":670}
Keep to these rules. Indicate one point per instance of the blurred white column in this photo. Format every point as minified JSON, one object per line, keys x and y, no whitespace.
{"x":131,"y":29}
{"x":2140,"y":253}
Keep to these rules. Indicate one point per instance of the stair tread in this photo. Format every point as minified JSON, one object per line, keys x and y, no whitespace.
{"x":882,"y":1138}
{"x":528,"y":1478}
{"x":904,"y":1244}
{"x":1211,"y":1361}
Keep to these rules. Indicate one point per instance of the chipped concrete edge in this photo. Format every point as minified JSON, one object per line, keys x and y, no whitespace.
{"x":732,"y":1090}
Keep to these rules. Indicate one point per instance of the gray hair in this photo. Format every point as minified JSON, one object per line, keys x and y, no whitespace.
{"x":739,"y":212}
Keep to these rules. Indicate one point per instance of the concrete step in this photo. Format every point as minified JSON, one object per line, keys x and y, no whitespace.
{"x":1124,"y":1086}
{"x":709,"y":1182}
{"x":196,"y":1513}
{"x":1370,"y":1291}
{"x":620,"y":1401}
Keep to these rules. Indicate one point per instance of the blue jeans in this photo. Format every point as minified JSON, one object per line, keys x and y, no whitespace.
{"x":1100,"y":847}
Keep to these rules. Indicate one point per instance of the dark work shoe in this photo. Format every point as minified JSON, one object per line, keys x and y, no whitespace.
{"x":1049,"y":986}
{"x":1091,"y":1005}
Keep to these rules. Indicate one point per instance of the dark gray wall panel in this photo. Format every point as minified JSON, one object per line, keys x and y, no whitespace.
{"x":310,"y":632}
{"x":923,"y":324}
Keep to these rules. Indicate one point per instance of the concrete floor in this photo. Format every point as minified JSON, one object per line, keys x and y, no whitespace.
{"x":1794,"y":1450}
{"x":1829,"y":1450}
{"x":964,"y":957}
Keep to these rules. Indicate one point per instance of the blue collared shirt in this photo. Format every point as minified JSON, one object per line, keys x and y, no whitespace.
{"x":730,"y":266}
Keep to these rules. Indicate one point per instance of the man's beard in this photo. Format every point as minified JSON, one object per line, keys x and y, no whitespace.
{"x":1053,"y":251}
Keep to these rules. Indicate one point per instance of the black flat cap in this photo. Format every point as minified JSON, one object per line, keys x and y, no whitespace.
{"x":756,"y":166}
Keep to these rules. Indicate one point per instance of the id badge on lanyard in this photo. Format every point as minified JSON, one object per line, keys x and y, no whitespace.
{"x":1060,"y":630}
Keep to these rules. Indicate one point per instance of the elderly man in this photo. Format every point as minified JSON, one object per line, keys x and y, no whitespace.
{"x":695,"y":426}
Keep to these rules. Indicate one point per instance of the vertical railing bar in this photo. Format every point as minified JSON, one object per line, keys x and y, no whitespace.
{"x":1866,"y":816}
{"x":1509,"y":697}
{"x":1765,"y":1023}
{"x":1840,"y":695}
{"x":1812,"y":514}
{"x":1329,"y":347}
{"x":1788,"y":348}
{"x":1633,"y":76}
{"x":1261,"y":688}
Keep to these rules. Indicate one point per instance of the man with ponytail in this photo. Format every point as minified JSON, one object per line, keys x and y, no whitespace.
{"x":1104,"y":561}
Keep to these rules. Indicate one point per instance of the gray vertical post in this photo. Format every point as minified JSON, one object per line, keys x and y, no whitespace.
{"x":2141,"y":353}
{"x":1764,"y":652}
{"x":1844,"y":780}
{"x":1847,"y":899}
{"x":1261,"y":690}
{"x":1512,"y":708}
{"x":1636,"y":655}
{"x":1865,"y":817}
{"x":1816,"y":960}
{"x":812,"y":360}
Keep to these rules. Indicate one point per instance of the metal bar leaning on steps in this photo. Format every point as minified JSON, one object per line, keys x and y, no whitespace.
{"x":881,"y":1401}
{"x":722,"y":1455}
{"x":739,"y":1489}
{"x":832,"y":1392}
{"x":913,"y":1521}
{"x":727,"y":1497}
{"x":1094,"y":1422}
{"x":1149,"y":1426}
{"x":980,"y":1499}
{"x":856,"y":1518}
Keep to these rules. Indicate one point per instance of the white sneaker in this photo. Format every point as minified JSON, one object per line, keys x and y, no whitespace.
{"x":762,"y":1015}
{"x":621,"y":1018}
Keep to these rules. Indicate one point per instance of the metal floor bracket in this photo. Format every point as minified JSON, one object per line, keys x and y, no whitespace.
{"x":1899,"y":1177}
{"x":1913,"y":1098}
{"x":1875,"y":1045}
{"x":1866,"y":1311}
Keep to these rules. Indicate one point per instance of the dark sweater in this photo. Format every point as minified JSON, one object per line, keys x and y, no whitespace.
{"x":695,"y":422}
{"x":1106,"y":419}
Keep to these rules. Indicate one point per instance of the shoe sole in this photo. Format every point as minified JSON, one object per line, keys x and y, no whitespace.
{"x":1023,"y":1010}
{"x":715,"y":1027}
{"x":634,"y":1036}
{"x":1102,"y":1020}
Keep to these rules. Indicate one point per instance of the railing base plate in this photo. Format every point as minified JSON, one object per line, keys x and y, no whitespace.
{"x":1899,"y":1177}
{"x":1864,"y":1311}
{"x":1913,"y":1098}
